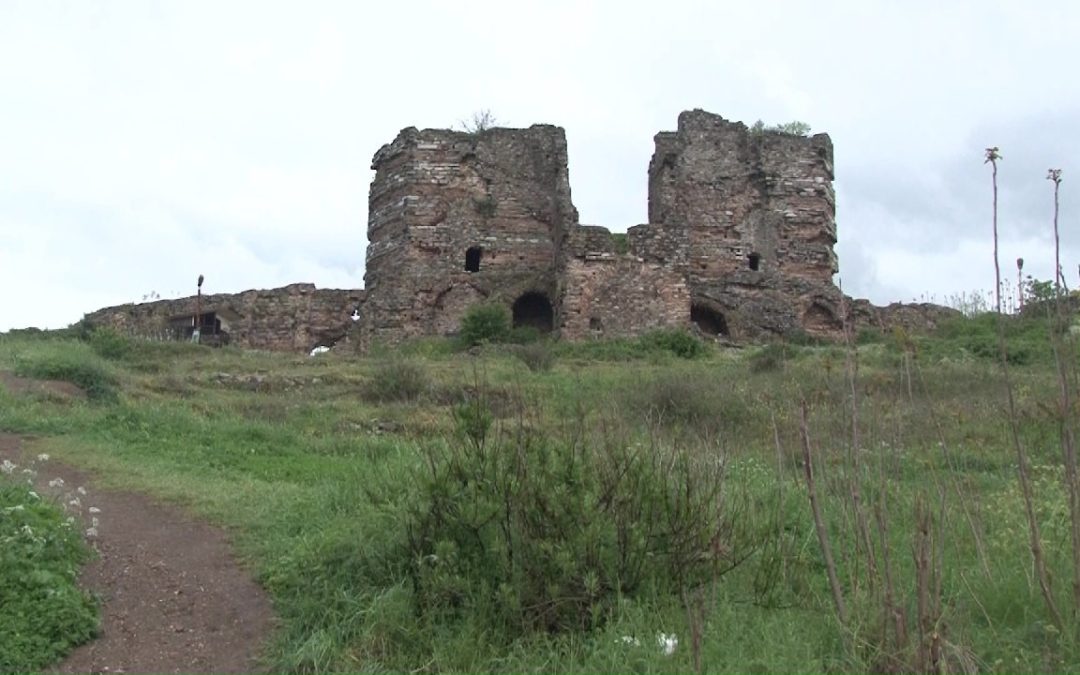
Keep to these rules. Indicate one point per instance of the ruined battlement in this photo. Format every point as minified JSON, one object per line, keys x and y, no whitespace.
{"x":739,"y":240}
{"x":455,"y":218}
{"x":738,"y":244}
{"x":294,"y":318}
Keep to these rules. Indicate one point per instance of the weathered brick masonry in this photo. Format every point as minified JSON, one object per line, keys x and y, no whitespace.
{"x":739,"y":240}
{"x":739,"y":244}
{"x":293,"y":318}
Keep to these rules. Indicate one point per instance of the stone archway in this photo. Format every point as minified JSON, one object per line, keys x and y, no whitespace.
{"x":534,"y":311}
{"x":710,"y":321}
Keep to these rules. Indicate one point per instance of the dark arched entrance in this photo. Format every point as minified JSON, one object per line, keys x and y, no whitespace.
{"x":534,"y":310}
{"x":710,"y":321}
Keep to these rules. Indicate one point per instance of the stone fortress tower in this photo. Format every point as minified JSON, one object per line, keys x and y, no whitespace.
{"x":739,"y":241}
{"x":739,"y":245}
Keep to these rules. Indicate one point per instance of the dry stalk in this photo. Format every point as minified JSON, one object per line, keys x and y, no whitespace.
{"x":927,"y":591}
{"x":1023,"y":465}
{"x":1063,"y":361}
{"x":980,"y":545}
{"x":893,"y":616}
{"x":854,"y":466}
{"x":819,"y":522}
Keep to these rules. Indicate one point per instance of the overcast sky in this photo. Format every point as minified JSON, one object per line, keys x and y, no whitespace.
{"x":143,"y":143}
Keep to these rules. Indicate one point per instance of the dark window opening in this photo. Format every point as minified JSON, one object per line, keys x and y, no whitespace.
{"x":209,"y":323}
{"x":755,"y":261}
{"x":534,"y":310}
{"x":595,"y":323}
{"x":710,"y":321}
{"x":211,"y":329}
{"x":472,"y":259}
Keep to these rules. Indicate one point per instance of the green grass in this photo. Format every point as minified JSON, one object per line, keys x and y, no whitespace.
{"x":316,"y":465}
{"x":43,"y":613}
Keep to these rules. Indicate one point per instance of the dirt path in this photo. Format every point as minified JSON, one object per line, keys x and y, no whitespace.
{"x":173,"y":597}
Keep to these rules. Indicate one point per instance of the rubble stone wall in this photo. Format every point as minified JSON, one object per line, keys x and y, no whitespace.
{"x":749,"y":217}
{"x":739,"y":244}
{"x":498,"y":199}
{"x":294,"y":318}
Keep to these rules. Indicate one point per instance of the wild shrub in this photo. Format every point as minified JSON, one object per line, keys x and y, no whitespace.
{"x":484,"y":324}
{"x":109,"y":344}
{"x":1027,"y":338}
{"x":614,"y":349}
{"x":65,"y":364}
{"x":537,"y":356}
{"x":681,"y":401}
{"x":528,"y":533}
{"x":523,"y":335}
{"x":397,"y":380}
{"x":43,"y":613}
{"x":676,"y":341}
{"x":769,"y":358}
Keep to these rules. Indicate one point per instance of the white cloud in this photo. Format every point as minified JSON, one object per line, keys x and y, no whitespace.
{"x":147,"y":142}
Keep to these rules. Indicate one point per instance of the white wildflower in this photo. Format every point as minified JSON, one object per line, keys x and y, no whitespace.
{"x":91,"y":531}
{"x":629,"y":640}
{"x":70,"y":521}
{"x":56,"y":482}
{"x":33,"y":495}
{"x":7,"y":466}
{"x":43,"y":457}
{"x":668,"y":643}
{"x":81,"y":490}
{"x":94,"y":509}
{"x":75,"y":502}
{"x":26,"y":530}
{"x":94,"y":521}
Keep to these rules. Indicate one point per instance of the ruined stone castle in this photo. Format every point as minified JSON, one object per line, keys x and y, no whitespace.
{"x":739,"y":245}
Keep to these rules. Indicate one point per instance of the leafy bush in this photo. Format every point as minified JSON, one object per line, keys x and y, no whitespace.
{"x":485,"y":324}
{"x":90,"y":376}
{"x":523,"y":335}
{"x":678,"y":342}
{"x":398,"y":380}
{"x":109,"y":344}
{"x":769,"y":358}
{"x":531,"y":534}
{"x":620,"y":242}
{"x":1027,"y":338}
{"x":537,"y":356}
{"x":688,"y":401}
{"x":43,"y":613}
{"x":614,"y":349}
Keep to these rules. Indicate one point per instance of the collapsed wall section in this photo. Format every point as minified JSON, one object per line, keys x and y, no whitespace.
{"x":748,"y":217}
{"x":608,"y":292}
{"x":455,"y":219}
{"x":293,"y":318}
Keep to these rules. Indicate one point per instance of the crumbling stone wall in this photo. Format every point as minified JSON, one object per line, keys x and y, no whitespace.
{"x":739,"y":240}
{"x":456,"y":219}
{"x":749,"y":218}
{"x":607,"y":293}
{"x":739,"y":243}
{"x":293,"y":318}
{"x":910,"y":318}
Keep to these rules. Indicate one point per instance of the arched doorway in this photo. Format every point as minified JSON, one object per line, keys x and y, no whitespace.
{"x":534,"y":310}
{"x":710,"y":321}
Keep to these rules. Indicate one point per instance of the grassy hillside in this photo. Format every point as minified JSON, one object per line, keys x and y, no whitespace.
{"x":574,"y":507}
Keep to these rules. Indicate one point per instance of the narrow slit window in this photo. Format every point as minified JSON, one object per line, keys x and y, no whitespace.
{"x":472,"y":259}
{"x":755,"y":261}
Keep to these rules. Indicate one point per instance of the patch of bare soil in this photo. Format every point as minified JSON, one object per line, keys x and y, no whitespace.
{"x":174,"y":599}
{"x":57,"y":388}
